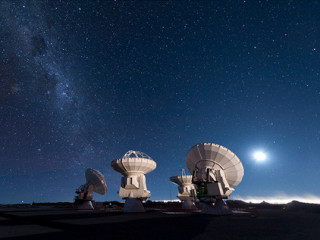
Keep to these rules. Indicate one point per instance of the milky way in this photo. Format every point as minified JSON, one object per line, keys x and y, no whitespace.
{"x":83,"y":82}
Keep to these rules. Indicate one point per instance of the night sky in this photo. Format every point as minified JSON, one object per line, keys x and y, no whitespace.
{"x":83,"y":82}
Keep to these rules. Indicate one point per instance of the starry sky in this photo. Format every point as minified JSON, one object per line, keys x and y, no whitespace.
{"x":83,"y":82}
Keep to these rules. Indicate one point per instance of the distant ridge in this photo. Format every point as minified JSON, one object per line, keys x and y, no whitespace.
{"x":291,"y":206}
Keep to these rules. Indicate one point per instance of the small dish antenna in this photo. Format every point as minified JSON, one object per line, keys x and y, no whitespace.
{"x":215,"y":171}
{"x":95,"y":183}
{"x":186,"y":190}
{"x":133,"y":166}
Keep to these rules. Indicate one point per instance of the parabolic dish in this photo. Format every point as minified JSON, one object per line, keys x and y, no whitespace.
{"x":182,"y":179}
{"x":134,"y":162}
{"x":214,"y":156}
{"x":96,"y":178}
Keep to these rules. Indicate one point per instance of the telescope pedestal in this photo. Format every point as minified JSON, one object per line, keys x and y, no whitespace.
{"x":219,"y":207}
{"x":133,"y":205}
{"x":188,"y":204}
{"x":85,"y":205}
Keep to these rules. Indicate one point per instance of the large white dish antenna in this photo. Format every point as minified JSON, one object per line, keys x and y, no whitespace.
{"x":215,"y":172}
{"x":186,"y":190}
{"x":216,"y":157}
{"x":133,"y":166}
{"x":95,"y":183}
{"x":96,"y":178}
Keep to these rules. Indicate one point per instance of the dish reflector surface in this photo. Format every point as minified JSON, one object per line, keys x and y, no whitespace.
{"x":182,"y":179}
{"x":214,"y":156}
{"x":134,"y":162}
{"x":96,"y":178}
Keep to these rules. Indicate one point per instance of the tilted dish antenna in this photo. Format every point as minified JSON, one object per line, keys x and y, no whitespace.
{"x":133,"y":166}
{"x":186,"y":190}
{"x":95,"y":183}
{"x":216,"y":171}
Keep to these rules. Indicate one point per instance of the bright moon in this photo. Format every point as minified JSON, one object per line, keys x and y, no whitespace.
{"x":259,"y":156}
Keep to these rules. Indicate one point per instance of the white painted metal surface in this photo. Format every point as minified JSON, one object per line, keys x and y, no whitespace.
{"x":205,"y":156}
{"x":96,"y":179}
{"x":134,"y":162}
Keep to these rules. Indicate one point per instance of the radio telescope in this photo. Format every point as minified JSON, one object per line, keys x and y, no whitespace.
{"x":186,"y":190}
{"x":95,"y":183}
{"x":133,"y":166}
{"x":215,"y":171}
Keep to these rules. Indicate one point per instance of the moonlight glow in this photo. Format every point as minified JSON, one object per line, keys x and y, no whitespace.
{"x":259,"y":156}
